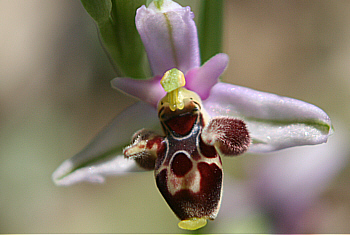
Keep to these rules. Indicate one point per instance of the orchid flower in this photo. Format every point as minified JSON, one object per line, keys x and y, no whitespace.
{"x":188,"y":99}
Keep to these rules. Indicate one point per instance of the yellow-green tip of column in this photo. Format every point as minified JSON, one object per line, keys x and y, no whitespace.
{"x":192,"y":224}
{"x":171,"y":82}
{"x":172,"y":79}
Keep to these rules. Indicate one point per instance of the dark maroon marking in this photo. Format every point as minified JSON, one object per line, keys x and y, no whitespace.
{"x":154,"y":141}
{"x":186,"y":144}
{"x":161,"y":156}
{"x":195,"y":155}
{"x":181,"y":165}
{"x":161,"y":148}
{"x":202,"y":120}
{"x":187,"y":204}
{"x":233,"y":135}
{"x":146,"y":161}
{"x":209,"y":177}
{"x":162,"y":182}
{"x":207,"y":150}
{"x":182,"y":125}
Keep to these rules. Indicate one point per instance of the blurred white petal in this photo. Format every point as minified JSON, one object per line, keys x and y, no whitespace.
{"x":92,"y":163}
{"x":95,"y":172}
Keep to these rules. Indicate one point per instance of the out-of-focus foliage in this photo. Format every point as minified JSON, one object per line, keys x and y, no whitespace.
{"x":210,"y":28}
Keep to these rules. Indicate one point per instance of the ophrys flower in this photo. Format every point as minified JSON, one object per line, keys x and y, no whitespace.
{"x":270,"y":122}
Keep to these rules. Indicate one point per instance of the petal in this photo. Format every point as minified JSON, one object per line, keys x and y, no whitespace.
{"x":95,"y":161}
{"x":95,"y":172}
{"x":274,"y":122}
{"x":149,"y":91}
{"x":169,"y":36}
{"x":202,"y":79}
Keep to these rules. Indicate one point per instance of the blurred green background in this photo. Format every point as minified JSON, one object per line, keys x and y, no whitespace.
{"x":55,"y":96}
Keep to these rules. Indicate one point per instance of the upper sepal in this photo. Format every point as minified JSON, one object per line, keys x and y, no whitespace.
{"x":169,"y":35}
{"x":274,"y":122}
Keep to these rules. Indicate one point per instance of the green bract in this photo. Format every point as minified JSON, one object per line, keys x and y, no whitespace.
{"x":116,"y":22}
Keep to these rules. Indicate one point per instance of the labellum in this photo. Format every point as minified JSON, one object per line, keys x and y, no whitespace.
{"x":186,"y":159}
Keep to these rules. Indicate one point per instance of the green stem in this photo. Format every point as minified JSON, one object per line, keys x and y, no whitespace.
{"x":210,"y":28}
{"x":116,"y":22}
